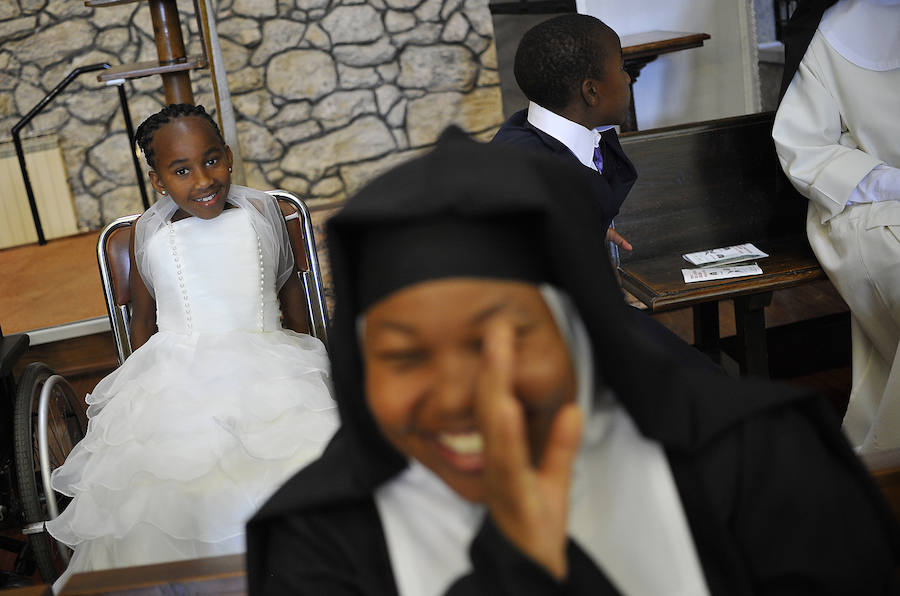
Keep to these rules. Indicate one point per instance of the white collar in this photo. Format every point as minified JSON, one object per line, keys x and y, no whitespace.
{"x":578,"y":139}
{"x":865,"y":32}
{"x":626,"y":522}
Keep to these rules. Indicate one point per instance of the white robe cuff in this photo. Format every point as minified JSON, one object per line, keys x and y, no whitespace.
{"x":881,"y":184}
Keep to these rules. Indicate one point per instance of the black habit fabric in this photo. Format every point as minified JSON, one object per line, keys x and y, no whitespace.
{"x":776,"y":501}
{"x":610,"y":188}
{"x":796,"y":36}
{"x":798,"y":33}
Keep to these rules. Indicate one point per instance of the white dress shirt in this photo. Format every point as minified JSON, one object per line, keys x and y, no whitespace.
{"x":579,"y":140}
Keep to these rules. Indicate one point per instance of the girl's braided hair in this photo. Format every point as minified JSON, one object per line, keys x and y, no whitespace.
{"x":143,"y":137}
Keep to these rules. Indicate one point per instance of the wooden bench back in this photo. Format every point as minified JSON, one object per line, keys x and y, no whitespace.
{"x":706,"y":185}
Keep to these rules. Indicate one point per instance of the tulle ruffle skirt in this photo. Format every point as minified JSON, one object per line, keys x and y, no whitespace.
{"x":186,"y":440}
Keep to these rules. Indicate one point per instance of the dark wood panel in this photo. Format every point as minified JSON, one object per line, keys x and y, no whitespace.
{"x":86,"y":355}
{"x":531,"y":7}
{"x":215,"y":575}
{"x":651,"y":44}
{"x":709,"y":185}
{"x":42,"y":590}
{"x":703,"y":186}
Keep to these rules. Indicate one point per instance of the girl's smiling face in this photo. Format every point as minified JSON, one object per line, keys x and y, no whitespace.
{"x":422,"y":348}
{"x":192,"y":166}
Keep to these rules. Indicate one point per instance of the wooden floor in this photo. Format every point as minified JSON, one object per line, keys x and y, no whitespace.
{"x":50,"y":285}
{"x":796,"y":304}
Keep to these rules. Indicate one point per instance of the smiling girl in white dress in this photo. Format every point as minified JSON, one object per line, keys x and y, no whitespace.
{"x":219,"y":403}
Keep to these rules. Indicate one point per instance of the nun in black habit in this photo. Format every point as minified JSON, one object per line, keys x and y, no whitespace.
{"x":507,"y":430}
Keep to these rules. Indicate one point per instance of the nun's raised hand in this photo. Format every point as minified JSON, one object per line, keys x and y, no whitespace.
{"x":529,"y":503}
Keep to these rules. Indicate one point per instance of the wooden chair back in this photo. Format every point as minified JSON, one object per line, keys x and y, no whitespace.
{"x":113,"y":249}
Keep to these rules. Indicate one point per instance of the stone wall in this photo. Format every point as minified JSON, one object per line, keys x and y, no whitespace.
{"x":326,"y":93}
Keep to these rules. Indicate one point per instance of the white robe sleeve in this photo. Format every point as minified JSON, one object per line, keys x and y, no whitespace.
{"x":819,"y":156}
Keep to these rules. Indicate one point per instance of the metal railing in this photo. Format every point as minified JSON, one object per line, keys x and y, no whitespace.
{"x":20,"y":153}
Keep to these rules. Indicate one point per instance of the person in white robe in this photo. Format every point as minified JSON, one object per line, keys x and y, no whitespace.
{"x":837,"y":133}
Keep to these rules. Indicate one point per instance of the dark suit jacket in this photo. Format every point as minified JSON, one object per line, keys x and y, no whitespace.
{"x":612,"y":186}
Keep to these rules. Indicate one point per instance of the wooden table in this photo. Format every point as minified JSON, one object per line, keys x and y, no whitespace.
{"x":659,"y":284}
{"x":640,"y":49}
{"x":708,"y":185}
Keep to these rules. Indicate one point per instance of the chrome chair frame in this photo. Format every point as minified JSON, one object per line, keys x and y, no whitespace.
{"x":119,"y":314}
{"x":310,"y":280}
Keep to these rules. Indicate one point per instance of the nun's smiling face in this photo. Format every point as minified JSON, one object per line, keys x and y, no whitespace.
{"x":422,"y":348}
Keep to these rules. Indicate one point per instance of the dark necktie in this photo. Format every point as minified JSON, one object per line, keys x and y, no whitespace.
{"x":598,"y":155}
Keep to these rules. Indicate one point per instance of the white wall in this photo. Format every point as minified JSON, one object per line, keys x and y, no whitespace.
{"x":718,"y":80}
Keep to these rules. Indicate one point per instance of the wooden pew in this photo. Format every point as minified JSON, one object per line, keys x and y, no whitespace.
{"x":41,"y":590}
{"x":708,"y":185}
{"x":219,"y":576}
{"x":222,"y":576}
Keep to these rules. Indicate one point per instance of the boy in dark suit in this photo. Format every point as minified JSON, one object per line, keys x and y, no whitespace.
{"x":571,"y":69}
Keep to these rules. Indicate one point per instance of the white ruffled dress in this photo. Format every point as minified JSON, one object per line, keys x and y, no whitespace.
{"x":201,"y":424}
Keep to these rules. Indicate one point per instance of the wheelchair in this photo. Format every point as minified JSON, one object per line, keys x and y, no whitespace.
{"x":21,"y":499}
{"x":49,"y":419}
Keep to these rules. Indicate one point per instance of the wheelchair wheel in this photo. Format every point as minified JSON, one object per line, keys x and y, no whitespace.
{"x":66,"y":424}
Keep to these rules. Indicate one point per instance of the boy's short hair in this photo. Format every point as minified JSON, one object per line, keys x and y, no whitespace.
{"x":555,"y":56}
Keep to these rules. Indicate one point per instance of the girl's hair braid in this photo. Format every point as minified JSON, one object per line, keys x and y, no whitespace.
{"x":143,"y":137}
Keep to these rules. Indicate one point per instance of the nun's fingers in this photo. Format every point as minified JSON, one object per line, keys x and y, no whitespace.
{"x":562,"y":445}
{"x":500,"y":416}
{"x":558,"y":461}
{"x":513,"y":491}
{"x":617,"y":239}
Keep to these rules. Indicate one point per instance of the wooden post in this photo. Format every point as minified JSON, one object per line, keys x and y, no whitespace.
{"x":170,"y":49}
{"x":206,"y":22}
{"x":750,"y":324}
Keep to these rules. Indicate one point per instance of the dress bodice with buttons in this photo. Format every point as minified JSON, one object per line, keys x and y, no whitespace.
{"x":211,"y":276}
